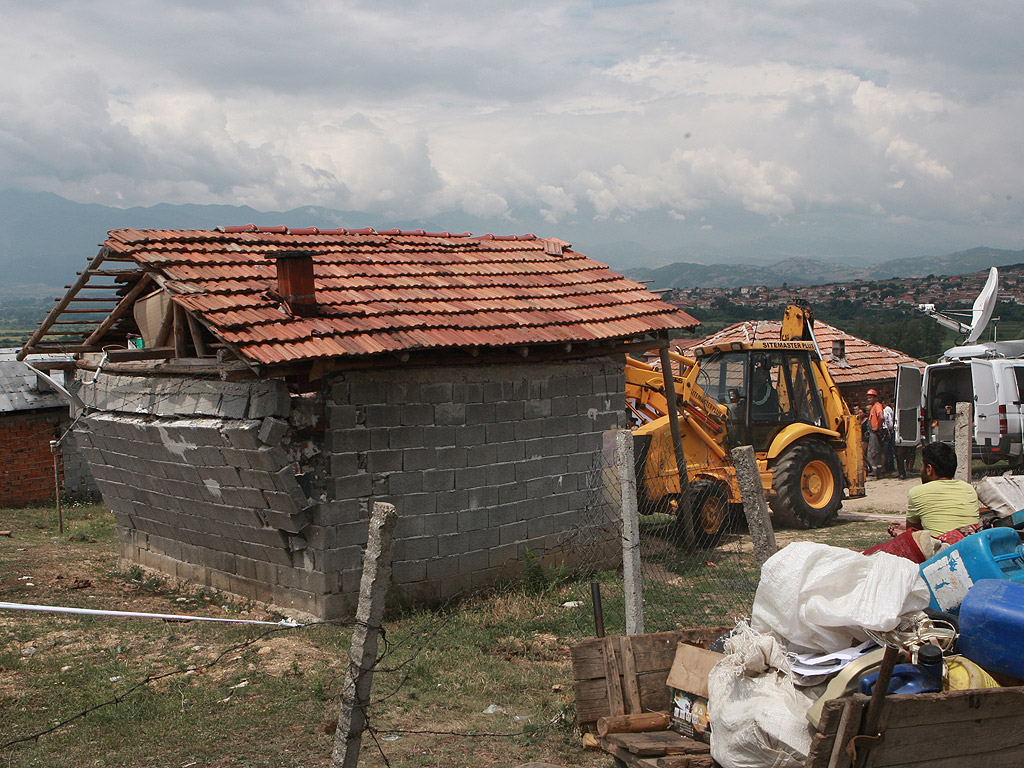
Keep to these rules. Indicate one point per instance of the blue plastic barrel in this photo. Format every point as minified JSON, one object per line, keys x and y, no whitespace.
{"x":993,"y":554}
{"x":992,"y":626}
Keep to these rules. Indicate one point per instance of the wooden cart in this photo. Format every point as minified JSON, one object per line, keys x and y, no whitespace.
{"x":958,"y":729}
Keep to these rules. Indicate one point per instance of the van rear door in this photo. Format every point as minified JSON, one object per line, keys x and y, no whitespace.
{"x":986,"y":404}
{"x":908,"y":405}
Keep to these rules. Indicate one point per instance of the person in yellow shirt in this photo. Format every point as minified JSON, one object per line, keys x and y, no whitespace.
{"x":941,"y":504}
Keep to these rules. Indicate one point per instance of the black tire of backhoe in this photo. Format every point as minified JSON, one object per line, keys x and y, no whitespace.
{"x":788,"y":507}
{"x":701,"y":492}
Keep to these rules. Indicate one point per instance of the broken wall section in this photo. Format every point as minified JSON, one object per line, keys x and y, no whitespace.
{"x":201,"y":476}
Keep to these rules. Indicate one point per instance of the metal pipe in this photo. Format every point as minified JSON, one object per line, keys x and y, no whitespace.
{"x":595,"y":596}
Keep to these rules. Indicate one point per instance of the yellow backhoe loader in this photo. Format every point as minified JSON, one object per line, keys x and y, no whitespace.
{"x":777,"y":396}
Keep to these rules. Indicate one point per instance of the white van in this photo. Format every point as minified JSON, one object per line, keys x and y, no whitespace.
{"x":989,"y":375}
{"x":926,"y":402}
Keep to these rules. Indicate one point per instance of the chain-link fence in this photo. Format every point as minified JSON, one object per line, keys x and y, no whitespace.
{"x":695,"y":569}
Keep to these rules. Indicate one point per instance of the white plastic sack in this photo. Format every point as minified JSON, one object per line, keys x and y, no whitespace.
{"x":822,"y":598}
{"x":759,"y":717}
{"x":1003,"y":495}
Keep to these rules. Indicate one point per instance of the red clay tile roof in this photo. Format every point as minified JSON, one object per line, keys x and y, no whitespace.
{"x":864,"y":361}
{"x":394,"y":291}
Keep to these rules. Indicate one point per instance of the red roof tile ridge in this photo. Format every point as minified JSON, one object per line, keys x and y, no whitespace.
{"x":489,"y":236}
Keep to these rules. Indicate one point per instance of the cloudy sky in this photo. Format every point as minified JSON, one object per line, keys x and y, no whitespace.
{"x":805,"y":127}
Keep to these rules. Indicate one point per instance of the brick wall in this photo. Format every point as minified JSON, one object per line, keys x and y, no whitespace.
{"x":26,"y":463}
{"x":247,"y":489}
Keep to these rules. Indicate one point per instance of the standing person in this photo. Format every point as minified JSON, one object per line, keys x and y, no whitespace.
{"x":876,"y":455}
{"x":889,"y":436}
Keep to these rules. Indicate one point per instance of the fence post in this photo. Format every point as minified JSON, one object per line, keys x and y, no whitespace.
{"x":754,"y":506}
{"x":362,"y":656}
{"x":631,"y":564}
{"x":962,"y":440}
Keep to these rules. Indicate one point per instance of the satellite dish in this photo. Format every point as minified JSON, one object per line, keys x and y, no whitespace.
{"x":980,"y":314}
{"x":984,"y":306}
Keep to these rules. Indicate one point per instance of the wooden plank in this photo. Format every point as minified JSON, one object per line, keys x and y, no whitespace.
{"x":654,"y":651}
{"x":150,"y":353}
{"x":197,"y":335}
{"x":180,"y":331}
{"x":613,"y":679}
{"x":624,"y":755}
{"x":592,"y":696}
{"x":956,"y":706}
{"x":989,"y":741}
{"x":685,"y":761}
{"x":632,"y":688}
{"x":848,"y":727}
{"x":649,"y":743}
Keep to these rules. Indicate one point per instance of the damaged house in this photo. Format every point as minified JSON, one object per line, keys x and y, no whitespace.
{"x":249,"y":393}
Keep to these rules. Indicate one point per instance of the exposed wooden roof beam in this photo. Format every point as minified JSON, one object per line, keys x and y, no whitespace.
{"x":61,"y":305}
{"x":123,"y":306}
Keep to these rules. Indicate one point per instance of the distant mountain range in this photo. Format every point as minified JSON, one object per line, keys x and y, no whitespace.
{"x":796,"y":271}
{"x":45,"y":239}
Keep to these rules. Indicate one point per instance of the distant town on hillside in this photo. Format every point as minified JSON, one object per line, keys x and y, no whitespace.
{"x":881,"y":311}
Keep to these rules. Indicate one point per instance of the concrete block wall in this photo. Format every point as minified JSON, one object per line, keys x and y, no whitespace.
{"x":246,"y":488}
{"x":77,"y":481}
{"x":482,"y":463}
{"x":202,"y":483}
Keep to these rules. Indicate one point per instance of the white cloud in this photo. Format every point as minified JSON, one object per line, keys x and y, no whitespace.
{"x":557,"y":112}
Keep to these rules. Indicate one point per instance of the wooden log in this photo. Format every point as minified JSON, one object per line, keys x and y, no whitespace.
{"x":647,"y":721}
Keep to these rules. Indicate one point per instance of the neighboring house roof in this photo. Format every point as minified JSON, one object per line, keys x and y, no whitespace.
{"x":19,"y":390}
{"x":862,"y":362}
{"x":376,"y":293}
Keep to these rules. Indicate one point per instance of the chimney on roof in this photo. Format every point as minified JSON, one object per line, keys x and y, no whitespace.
{"x":839,"y":349}
{"x":295,"y":281}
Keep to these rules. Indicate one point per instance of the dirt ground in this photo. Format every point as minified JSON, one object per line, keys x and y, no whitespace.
{"x":884,"y":498}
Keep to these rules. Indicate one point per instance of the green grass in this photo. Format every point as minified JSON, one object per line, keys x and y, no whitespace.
{"x":439,"y":669}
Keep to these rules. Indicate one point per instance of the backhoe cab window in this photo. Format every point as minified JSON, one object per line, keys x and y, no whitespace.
{"x":764,"y":391}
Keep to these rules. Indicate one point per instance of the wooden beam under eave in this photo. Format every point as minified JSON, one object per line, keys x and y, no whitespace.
{"x":197,"y":335}
{"x":123,"y":306}
{"x":51,"y":318}
{"x":180,"y":331}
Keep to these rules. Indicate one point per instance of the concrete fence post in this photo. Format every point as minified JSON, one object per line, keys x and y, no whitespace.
{"x":754,"y":505}
{"x":631,"y":565}
{"x":373,"y":587}
{"x":962,"y":440}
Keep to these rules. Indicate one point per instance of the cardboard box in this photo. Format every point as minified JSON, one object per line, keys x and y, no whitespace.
{"x":688,"y":683}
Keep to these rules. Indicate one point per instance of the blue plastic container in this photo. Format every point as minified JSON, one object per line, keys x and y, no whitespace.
{"x":1015,"y":521}
{"x":992,"y":626}
{"x":906,"y":678}
{"x":993,"y":554}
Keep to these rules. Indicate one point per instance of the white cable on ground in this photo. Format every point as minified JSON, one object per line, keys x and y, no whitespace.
{"x":136,"y":615}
